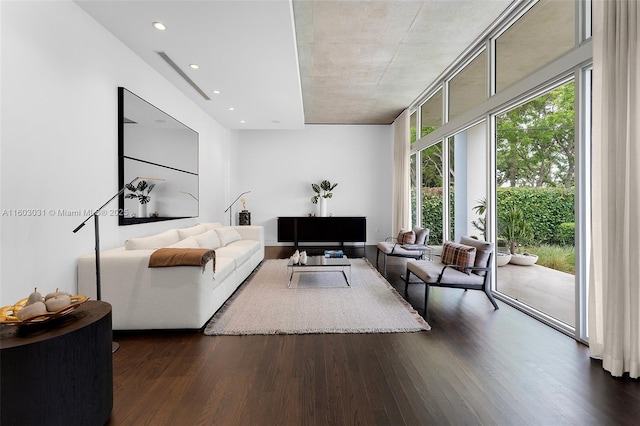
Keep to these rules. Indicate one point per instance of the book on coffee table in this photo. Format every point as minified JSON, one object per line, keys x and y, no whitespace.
{"x":333,"y":253}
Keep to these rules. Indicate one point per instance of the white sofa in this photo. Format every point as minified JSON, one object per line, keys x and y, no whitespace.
{"x":178,"y":296}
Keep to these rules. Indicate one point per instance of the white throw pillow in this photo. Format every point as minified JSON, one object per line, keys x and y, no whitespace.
{"x":189,"y":242}
{"x":211,"y":225}
{"x":227,"y":235}
{"x":208,"y":240}
{"x":188,"y":232}
{"x":152,"y":242}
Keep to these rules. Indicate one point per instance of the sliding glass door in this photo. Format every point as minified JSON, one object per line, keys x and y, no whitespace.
{"x":535,"y":200}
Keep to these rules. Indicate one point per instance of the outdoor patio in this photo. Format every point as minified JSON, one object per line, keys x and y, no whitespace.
{"x":548,"y":290}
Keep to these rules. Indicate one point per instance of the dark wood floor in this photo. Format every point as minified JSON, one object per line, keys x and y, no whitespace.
{"x":476,"y":366}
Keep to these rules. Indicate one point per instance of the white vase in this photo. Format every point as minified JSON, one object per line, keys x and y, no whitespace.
{"x":142,"y":210}
{"x":323,"y":207}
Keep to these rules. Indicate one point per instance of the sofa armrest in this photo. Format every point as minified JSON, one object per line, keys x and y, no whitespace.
{"x":119,"y":268}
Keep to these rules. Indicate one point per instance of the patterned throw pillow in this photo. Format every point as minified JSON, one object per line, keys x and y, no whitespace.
{"x":406,"y":237}
{"x":459,"y":255}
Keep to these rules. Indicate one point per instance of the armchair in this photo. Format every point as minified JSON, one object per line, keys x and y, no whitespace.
{"x":391,"y":246}
{"x":447,"y":274}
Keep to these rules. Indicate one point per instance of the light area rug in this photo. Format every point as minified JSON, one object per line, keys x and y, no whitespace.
{"x":317,"y":302}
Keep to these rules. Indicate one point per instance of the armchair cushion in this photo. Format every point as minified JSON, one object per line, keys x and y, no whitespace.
{"x":406,"y":237}
{"x":483,"y":251}
{"x":429,"y":271}
{"x":422,"y":234}
{"x":395,"y":249}
{"x":460,"y":255}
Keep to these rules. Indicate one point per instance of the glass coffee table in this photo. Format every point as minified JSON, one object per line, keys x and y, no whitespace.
{"x":321,"y":264}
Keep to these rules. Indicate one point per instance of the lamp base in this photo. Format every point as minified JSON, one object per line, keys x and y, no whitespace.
{"x":244,"y":217}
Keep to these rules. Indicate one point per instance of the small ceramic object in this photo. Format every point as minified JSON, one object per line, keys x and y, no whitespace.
{"x":56,"y":303}
{"x":56,"y":293}
{"x":296,"y":257}
{"x":303,"y":258}
{"x":34,"y":297}
{"x":33,"y":310}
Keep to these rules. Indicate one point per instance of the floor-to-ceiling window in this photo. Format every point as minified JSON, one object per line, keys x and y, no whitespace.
{"x":432,"y":177}
{"x":505,"y":125}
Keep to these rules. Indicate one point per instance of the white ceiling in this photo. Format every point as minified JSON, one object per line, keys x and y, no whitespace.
{"x":281,"y":64}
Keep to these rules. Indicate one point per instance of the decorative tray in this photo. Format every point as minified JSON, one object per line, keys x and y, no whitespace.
{"x":8,"y":313}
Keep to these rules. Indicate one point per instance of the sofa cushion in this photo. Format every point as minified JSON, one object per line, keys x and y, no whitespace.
{"x":223,"y":267}
{"x":208,"y":239}
{"x":240,"y":251}
{"x":188,"y":232}
{"x":189,"y":242}
{"x":227,"y":235}
{"x":211,"y":225}
{"x":406,"y":237}
{"x":483,"y":251}
{"x":153,"y":242}
{"x":459,"y":255}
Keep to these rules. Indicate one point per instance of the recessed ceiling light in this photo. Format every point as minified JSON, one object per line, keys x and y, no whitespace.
{"x":231,"y":109}
{"x":276,"y":121}
{"x":159,"y":26}
{"x":194,"y":66}
{"x":217,"y":92}
{"x":242,"y":121}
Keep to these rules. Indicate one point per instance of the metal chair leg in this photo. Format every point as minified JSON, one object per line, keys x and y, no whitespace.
{"x":406,"y":284}
{"x":426,"y":301}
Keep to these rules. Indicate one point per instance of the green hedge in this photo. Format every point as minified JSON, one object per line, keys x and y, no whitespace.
{"x":550,"y":211}
{"x":432,"y":214}
{"x":567,"y":233}
{"x":544,"y":208}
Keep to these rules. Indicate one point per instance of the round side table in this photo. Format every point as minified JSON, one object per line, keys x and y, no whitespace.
{"x":59,"y":372}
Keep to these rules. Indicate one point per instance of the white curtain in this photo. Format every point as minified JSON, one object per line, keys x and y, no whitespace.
{"x":401,"y":215}
{"x":614,"y":282}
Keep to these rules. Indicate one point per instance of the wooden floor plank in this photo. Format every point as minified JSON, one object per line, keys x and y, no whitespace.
{"x":476,"y":366}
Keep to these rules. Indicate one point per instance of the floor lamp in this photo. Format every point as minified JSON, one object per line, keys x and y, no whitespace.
{"x":96,"y":221}
{"x":231,"y":205}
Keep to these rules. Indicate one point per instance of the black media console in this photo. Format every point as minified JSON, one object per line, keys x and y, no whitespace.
{"x":309,"y":229}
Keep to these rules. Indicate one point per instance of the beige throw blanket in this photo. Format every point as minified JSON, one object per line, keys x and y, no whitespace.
{"x":166,"y":257}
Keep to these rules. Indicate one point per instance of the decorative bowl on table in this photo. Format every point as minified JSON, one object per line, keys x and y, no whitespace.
{"x":8,"y":314}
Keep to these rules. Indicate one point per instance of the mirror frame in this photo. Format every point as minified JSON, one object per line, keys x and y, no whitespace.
{"x":124,"y":219}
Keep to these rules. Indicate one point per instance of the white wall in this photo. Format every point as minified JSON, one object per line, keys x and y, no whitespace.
{"x":60,"y":72}
{"x":278,"y":168}
{"x":477,"y":171}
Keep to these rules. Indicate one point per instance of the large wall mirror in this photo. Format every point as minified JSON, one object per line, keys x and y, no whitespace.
{"x":160,"y":151}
